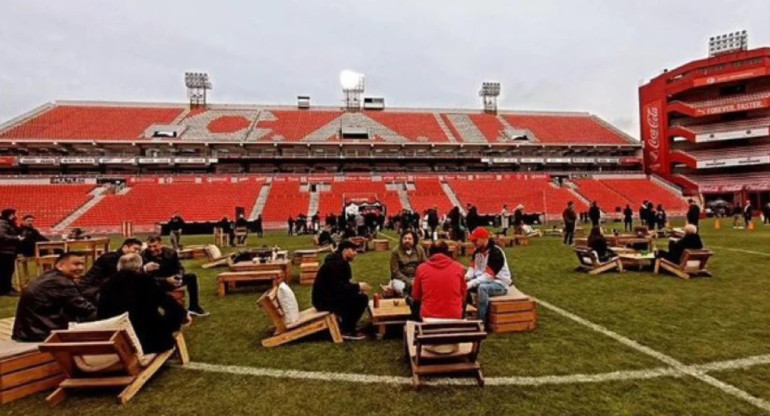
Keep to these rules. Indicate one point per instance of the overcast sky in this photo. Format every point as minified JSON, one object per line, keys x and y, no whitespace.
{"x":548,"y":55}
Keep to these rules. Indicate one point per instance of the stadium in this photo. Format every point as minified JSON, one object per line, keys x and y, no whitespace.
{"x":573,"y":332}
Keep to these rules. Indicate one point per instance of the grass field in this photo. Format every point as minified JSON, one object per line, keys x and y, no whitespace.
{"x":616,"y":344}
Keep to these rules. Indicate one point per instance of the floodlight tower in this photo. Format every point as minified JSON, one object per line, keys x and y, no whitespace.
{"x":729,"y":42}
{"x":352,"y":86}
{"x":489,"y":93}
{"x":197,"y":83}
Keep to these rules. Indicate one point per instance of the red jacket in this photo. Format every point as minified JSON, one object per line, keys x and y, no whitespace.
{"x":440,"y":284}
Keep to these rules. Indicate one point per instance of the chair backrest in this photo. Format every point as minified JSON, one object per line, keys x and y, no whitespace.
{"x":695,"y":260}
{"x":66,"y":346}
{"x":43,"y":248}
{"x":272,"y":307}
{"x":586,"y":256}
{"x":446,"y":333}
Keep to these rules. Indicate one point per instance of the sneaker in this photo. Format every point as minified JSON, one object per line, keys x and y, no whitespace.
{"x":354,"y":336}
{"x":198,"y":312}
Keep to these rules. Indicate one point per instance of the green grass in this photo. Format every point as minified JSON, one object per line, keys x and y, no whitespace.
{"x":695,"y":321}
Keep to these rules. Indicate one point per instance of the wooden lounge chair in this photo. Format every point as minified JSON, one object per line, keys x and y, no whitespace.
{"x":692,"y":264}
{"x":119,"y":364}
{"x":310,"y":321}
{"x":589,"y":262}
{"x":422,"y":342}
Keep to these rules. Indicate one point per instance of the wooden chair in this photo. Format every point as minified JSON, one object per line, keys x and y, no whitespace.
{"x":220,"y":238}
{"x":692,"y":264}
{"x":72,"y":348}
{"x":46,"y":253}
{"x":310,"y":321}
{"x":590,"y":263}
{"x":463,"y":339}
{"x":241,"y":236}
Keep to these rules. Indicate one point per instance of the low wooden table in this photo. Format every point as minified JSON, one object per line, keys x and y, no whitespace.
{"x":637,"y":260}
{"x":228,"y":280}
{"x":390,"y":312}
{"x":282,"y":266}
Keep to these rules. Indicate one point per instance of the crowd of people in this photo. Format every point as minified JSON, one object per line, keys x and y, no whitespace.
{"x":137,"y":279}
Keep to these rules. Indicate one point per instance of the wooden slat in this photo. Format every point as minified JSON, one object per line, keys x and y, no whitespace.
{"x":22,"y":361}
{"x":81,"y":348}
{"x":29,"y":375}
{"x":513,"y":327}
{"x":503,"y":318}
{"x":512,"y":306}
{"x":96,"y":382}
{"x":8,"y":396}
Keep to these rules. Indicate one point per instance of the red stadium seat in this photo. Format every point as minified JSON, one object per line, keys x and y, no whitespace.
{"x":50,"y":204}
{"x":559,"y":128}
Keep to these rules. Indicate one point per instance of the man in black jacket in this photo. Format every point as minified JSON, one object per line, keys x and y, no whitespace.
{"x":175,"y":225}
{"x":9,"y":245}
{"x":104,"y":267}
{"x":693,"y":213}
{"x":30,"y":236}
{"x":162,"y":263}
{"x":690,"y":241}
{"x":748,"y":213}
{"x":594,"y":214}
{"x":334,"y":291}
{"x":51,"y":301}
{"x":628,"y":223}
{"x":130,"y":290}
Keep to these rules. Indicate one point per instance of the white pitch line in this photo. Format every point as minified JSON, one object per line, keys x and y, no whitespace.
{"x":741,"y":250}
{"x":677,"y":365}
{"x":646,"y":374}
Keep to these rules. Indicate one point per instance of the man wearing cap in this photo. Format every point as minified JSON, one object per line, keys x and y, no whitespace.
{"x":488,"y":273}
{"x":334,"y":290}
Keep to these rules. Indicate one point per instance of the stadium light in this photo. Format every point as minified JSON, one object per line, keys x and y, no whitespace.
{"x":197,"y":83}
{"x":352,"y":86}
{"x":489,"y":92}
{"x":728,"y":42}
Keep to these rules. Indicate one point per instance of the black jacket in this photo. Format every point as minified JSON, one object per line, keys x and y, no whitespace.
{"x":9,"y":237}
{"x":599,"y":245}
{"x":169,"y":263}
{"x":693,"y":214}
{"x":594,"y":214}
{"x":677,"y":248}
{"x":518,"y":218}
{"x":333,"y":284}
{"x":628,"y":213}
{"x":104,"y":267}
{"x":50,"y":302}
{"x":31,"y":237}
{"x":176,"y":223}
{"x":137,"y":294}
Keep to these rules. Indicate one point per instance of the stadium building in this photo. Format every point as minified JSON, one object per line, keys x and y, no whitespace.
{"x":706,"y":124}
{"x":96,"y":164}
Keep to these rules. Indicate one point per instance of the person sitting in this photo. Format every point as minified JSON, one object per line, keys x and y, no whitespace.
{"x":403,"y":263}
{"x":690,"y":241}
{"x":162,"y":263}
{"x":30,"y":236}
{"x":154,"y":314}
{"x":52,"y":300}
{"x":439,"y":285}
{"x":488,"y":274}
{"x":598,"y":244}
{"x":334,"y":291}
{"x":324,"y":238}
{"x":104,"y":267}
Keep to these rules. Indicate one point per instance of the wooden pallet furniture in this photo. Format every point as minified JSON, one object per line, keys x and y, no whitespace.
{"x":229,"y":280}
{"x":439,"y":348}
{"x":310,"y":322}
{"x":521,"y":240}
{"x":394,"y":311}
{"x":380,"y":245}
{"x":589,"y":262}
{"x":72,"y":349}
{"x":24,"y":370}
{"x":22,"y":276}
{"x":692,"y":264}
{"x":467,"y":248}
{"x":307,"y":273}
{"x":46,"y":253}
{"x":241,"y":234}
{"x":194,"y":252}
{"x":361,"y":243}
{"x":512,"y":312}
{"x":220,"y":238}
{"x":282,"y":266}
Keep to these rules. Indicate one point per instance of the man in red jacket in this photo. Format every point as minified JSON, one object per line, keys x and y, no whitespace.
{"x":439,"y":285}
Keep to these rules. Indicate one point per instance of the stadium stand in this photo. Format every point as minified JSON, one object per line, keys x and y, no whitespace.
{"x":427,"y":194}
{"x":563,"y":129}
{"x":758,"y":94}
{"x":228,"y":124}
{"x":147,"y":203}
{"x":50,"y":204}
{"x":640,"y":189}
{"x":90,"y":122}
{"x":413,"y":126}
{"x":333,"y":200}
{"x":595,"y":190}
{"x":285,"y":199}
{"x":293,"y":126}
{"x":489,"y":125}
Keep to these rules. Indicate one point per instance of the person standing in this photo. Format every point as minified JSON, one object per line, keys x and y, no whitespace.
{"x":175,"y":225}
{"x":628,"y":221}
{"x":290,"y":222}
{"x":643,"y":213}
{"x":693,"y":213}
{"x":504,"y":220}
{"x":518,"y":219}
{"x":748,"y":213}
{"x":570,"y":218}
{"x":258,"y":226}
{"x":30,"y":236}
{"x":661,"y":217}
{"x":766,"y":214}
{"x":594,"y":214}
{"x":10,"y":238}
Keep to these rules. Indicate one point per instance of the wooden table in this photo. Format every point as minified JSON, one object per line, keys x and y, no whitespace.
{"x":228,"y":280}
{"x":282,"y":266}
{"x":390,"y":312}
{"x":638,"y":260}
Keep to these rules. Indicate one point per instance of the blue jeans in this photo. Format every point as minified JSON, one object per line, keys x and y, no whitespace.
{"x":486,"y":291}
